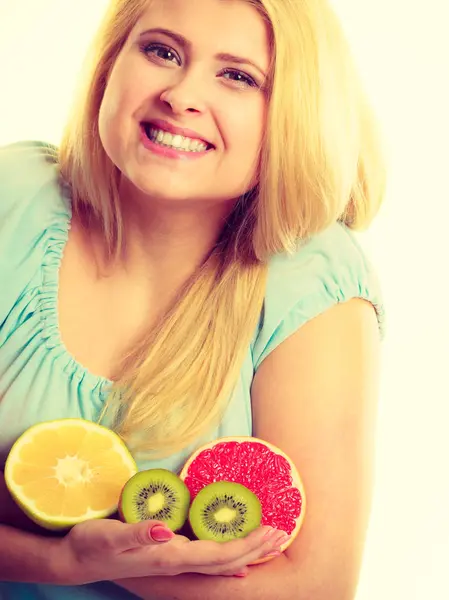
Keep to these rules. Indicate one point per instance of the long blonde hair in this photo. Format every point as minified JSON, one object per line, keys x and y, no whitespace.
{"x":321,"y":161}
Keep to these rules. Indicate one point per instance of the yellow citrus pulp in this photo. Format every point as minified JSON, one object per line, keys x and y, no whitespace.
{"x":67,"y":471}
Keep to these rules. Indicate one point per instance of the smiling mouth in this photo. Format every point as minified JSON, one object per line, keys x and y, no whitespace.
{"x":175,"y":141}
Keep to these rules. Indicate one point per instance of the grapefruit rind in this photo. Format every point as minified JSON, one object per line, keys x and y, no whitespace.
{"x":58,"y":523}
{"x":296,"y":479}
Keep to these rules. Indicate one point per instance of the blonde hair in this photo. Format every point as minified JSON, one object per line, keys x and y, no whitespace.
{"x":321,"y":161}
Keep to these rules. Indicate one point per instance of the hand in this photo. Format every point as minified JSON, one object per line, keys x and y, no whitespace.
{"x":106,"y":549}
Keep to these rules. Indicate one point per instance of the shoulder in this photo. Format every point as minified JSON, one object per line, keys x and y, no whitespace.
{"x":17,"y":158}
{"x":27,"y":169}
{"x":34,"y":214}
{"x":329,"y":268}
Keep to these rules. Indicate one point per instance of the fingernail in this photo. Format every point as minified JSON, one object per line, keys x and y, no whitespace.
{"x":159,"y":533}
{"x":274,"y":553}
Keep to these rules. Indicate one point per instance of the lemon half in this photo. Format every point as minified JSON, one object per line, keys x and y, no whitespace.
{"x":67,"y":471}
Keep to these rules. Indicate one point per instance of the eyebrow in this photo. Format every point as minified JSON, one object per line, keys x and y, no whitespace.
{"x":222,"y":56}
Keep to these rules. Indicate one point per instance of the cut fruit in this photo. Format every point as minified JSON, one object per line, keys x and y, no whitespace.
{"x":224,"y":511}
{"x":67,"y":471}
{"x":261,"y":467}
{"x":156,"y":494}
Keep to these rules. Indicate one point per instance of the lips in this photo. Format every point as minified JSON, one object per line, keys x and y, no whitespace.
{"x":175,"y":130}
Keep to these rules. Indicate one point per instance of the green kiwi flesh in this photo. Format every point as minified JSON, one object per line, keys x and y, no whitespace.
{"x":224,"y":511}
{"x":155,"y":494}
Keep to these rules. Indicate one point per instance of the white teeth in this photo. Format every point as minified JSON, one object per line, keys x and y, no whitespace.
{"x":167,"y":139}
{"x":185,"y":144}
{"x":175,"y":141}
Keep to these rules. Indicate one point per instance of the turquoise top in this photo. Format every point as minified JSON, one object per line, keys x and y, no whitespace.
{"x":40,"y":380}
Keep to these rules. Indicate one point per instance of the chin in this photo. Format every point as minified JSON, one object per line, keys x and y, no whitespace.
{"x":160,"y":193}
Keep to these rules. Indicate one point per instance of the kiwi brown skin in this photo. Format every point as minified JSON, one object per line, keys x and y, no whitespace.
{"x":120,"y":511}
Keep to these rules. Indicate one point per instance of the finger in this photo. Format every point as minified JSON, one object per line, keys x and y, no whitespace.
{"x":242,"y":572}
{"x":181,"y":539}
{"x":145,"y":533}
{"x":223,"y":555}
{"x":257,"y":544}
{"x":271,"y":547}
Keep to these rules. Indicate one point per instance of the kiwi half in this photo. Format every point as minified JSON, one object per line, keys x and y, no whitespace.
{"x":223,"y":511}
{"x":156,"y":494}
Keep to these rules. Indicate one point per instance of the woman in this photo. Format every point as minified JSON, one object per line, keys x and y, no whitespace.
{"x":183,"y":294}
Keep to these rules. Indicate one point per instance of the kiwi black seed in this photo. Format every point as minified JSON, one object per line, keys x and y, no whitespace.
{"x":223,"y":511}
{"x":156,"y":494}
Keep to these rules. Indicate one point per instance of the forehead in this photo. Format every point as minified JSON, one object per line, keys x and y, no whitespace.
{"x":232,"y":26}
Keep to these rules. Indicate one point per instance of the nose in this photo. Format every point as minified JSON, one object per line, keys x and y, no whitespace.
{"x":184,"y":96}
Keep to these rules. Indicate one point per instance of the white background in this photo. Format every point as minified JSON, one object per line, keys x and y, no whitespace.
{"x":404,"y":59}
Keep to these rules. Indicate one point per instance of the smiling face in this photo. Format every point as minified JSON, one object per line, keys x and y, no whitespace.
{"x":188,"y":77}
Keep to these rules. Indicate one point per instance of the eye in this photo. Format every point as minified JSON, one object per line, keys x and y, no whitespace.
{"x":164,"y":53}
{"x":240,"y":77}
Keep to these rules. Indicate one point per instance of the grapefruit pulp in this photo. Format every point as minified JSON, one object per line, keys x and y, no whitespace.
{"x":262,"y":468}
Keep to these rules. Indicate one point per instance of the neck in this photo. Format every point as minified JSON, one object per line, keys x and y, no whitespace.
{"x":168,"y":241}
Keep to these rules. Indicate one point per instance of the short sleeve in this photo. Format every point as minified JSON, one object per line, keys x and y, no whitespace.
{"x":23,"y":169}
{"x":30,"y":207}
{"x":328,"y":269}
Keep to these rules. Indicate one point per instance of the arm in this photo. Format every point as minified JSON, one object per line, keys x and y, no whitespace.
{"x":101,"y":549}
{"x":28,"y":557}
{"x":11,"y":514}
{"x":31,"y":554}
{"x":315,"y":396}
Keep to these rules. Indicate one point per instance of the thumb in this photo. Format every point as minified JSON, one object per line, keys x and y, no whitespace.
{"x":145,"y":533}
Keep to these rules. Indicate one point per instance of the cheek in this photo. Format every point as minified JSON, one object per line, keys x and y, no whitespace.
{"x":114,"y":103}
{"x":114,"y":119}
{"x":122,"y":95}
{"x":247,"y":132}
{"x":106,"y":125}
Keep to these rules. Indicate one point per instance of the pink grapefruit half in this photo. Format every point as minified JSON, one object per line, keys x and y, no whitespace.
{"x":261,"y":467}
